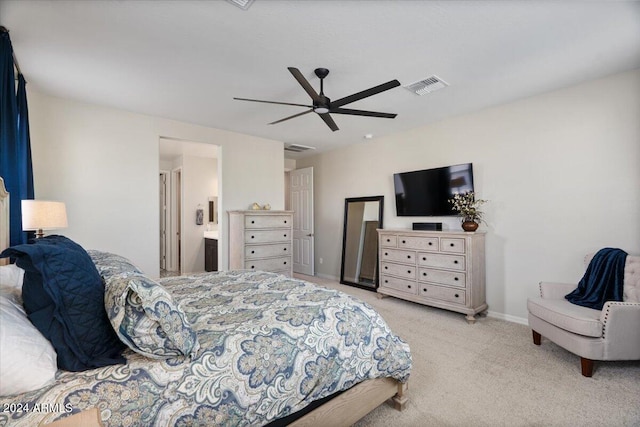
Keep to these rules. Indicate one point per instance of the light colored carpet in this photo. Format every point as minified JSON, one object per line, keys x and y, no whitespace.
{"x":491,"y":374}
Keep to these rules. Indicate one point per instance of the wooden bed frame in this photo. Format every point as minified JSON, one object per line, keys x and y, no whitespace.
{"x":343,"y":410}
{"x":355,"y":403}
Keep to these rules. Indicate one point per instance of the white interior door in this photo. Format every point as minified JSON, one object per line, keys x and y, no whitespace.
{"x":301,"y":198}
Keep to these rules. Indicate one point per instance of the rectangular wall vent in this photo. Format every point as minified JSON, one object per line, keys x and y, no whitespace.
{"x":428,"y":85}
{"x":242,"y":4}
{"x":297,"y":148}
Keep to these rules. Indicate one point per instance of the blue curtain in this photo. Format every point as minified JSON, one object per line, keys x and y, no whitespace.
{"x":24,"y":141}
{"x":15,"y":145}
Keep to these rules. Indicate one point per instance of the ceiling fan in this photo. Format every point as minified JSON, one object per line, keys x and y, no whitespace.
{"x":322,"y":105}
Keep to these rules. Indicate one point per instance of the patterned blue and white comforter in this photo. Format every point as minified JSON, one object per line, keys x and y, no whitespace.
{"x":269,"y":346}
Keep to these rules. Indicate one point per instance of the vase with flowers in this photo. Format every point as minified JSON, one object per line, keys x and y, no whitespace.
{"x":467,"y":207}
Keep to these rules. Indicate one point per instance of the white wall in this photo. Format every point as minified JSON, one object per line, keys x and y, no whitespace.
{"x":561,"y":171}
{"x":103,"y":163}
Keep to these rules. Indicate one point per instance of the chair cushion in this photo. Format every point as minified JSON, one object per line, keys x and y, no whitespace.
{"x":632,"y":279}
{"x":561,"y":313}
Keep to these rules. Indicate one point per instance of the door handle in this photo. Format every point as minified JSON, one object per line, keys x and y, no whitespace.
{"x":310,"y":235}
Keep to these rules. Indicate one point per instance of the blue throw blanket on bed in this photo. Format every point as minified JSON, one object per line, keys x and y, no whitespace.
{"x":603,"y":281}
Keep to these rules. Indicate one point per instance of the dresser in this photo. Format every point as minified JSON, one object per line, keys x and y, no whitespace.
{"x":444,"y":269}
{"x":261,"y":240}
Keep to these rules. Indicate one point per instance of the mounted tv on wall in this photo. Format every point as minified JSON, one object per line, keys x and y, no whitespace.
{"x":427,"y":192}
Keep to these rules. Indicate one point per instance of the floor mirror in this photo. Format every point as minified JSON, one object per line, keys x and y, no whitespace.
{"x":362,"y":216}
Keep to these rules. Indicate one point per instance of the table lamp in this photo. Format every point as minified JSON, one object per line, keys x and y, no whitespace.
{"x":42,"y":215}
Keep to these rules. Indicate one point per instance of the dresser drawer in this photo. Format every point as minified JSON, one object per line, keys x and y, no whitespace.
{"x":444,"y":277}
{"x":267,"y":221}
{"x":453,"y":262}
{"x":267,"y":236}
{"x":415,"y":242}
{"x":441,"y":293}
{"x":389,"y":241}
{"x":408,"y":286}
{"x":404,"y":271}
{"x":452,"y":245}
{"x":261,"y":251}
{"x":270,"y":264}
{"x":408,"y":257}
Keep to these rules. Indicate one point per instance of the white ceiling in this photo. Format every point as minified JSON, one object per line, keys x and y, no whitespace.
{"x":186,"y":60}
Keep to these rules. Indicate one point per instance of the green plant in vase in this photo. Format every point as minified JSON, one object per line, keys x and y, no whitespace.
{"x":468,"y":210}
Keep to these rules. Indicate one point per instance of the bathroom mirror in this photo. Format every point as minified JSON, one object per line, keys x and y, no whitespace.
{"x":362,"y":216}
{"x":213,"y":210}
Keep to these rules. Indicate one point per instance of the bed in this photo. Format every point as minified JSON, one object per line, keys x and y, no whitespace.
{"x":255,"y":348}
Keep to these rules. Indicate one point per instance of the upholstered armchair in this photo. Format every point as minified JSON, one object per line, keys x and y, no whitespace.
{"x":612,"y":333}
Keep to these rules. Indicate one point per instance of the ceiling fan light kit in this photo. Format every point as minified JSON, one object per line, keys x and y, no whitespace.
{"x":322,"y":105}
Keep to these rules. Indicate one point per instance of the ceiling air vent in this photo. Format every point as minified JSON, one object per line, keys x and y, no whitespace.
{"x":242,"y":4}
{"x":428,"y":85}
{"x":297,"y":148}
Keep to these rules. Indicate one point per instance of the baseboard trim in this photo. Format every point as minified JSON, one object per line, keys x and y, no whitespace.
{"x":494,"y":314}
{"x":508,"y":317}
{"x":328,"y":277}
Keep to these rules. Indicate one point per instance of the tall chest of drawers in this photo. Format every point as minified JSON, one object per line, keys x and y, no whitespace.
{"x":261,"y":240}
{"x":444,"y":269}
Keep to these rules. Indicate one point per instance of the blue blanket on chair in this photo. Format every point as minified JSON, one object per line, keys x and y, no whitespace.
{"x":603,"y":281}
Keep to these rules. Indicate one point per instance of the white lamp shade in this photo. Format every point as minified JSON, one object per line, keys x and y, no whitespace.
{"x":43,"y":215}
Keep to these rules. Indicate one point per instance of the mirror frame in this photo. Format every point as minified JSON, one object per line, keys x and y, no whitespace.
{"x":379,"y":199}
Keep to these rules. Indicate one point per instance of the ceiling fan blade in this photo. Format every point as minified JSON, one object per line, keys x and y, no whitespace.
{"x":329,"y":121}
{"x":365,"y":93}
{"x":273,"y":102}
{"x":304,"y":83}
{"x":291,"y":117}
{"x":362,"y":113}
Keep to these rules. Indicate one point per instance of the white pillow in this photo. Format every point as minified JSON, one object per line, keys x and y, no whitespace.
{"x":27,"y":359}
{"x":11,"y":277}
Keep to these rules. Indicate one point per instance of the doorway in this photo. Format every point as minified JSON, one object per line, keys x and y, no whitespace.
{"x":191,"y":182}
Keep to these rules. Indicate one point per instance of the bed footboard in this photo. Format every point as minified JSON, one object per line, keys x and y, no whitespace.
{"x":355,"y":403}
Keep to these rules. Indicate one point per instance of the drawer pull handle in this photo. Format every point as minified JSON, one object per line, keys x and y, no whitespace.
{"x":285,"y":221}
{"x":430,"y":243}
{"x":455,"y":261}
{"x":404,"y":241}
{"x":285,"y":249}
{"x":424,"y":274}
{"x":253,"y":222}
{"x":409,"y":271}
{"x":409,"y":286}
{"x":456,"y":279}
{"x":253,"y":252}
{"x":457,"y":296}
{"x":424,"y":289}
{"x":386,"y":268}
{"x":424,"y":258}
{"x":253,"y":266}
{"x":285,"y":263}
{"x":386,"y":254}
{"x":285,"y":235}
{"x":386,"y":281}
{"x":388,"y":240}
{"x":408,"y":256}
{"x":253,"y":237}
{"x":452,"y":244}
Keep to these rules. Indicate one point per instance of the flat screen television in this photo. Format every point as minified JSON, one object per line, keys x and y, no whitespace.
{"x":427,"y":192}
